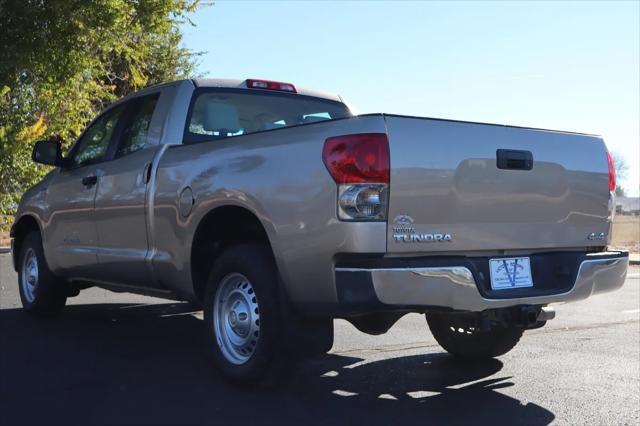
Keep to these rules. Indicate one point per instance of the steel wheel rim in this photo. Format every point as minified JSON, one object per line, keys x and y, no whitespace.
{"x":236,"y":318}
{"x":29,"y":275}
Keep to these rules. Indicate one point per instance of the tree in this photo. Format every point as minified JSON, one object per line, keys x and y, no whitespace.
{"x":62,"y":61}
{"x":621,"y":167}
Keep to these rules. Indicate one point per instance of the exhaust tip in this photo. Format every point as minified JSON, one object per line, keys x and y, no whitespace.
{"x":546,"y":314}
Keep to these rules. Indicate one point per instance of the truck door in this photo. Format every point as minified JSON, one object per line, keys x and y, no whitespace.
{"x":70,"y":236}
{"x":121,"y":197}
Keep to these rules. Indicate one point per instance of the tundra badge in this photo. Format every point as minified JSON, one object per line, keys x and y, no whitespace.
{"x":404,"y":232}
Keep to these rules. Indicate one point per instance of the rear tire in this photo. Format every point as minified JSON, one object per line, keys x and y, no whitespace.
{"x":40,"y":292}
{"x":462,"y":340}
{"x":243,"y":319}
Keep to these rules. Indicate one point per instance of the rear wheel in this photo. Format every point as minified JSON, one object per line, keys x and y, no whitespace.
{"x":236,"y":318}
{"x":40,"y":292}
{"x":462,"y":338}
{"x":243,"y":320}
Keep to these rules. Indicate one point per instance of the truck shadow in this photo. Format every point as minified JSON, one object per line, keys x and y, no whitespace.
{"x":144,"y":364}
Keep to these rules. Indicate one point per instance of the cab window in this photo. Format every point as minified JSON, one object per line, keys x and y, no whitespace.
{"x":221,"y":113}
{"x":94,"y":143}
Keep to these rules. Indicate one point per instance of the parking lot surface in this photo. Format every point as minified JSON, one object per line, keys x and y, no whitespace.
{"x":125,"y":359}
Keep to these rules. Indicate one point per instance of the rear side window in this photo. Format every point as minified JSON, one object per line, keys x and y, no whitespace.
{"x":134,"y":135}
{"x":220,"y":113}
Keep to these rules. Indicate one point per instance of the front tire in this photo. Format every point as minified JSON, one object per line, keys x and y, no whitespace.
{"x":40,"y":292}
{"x":243,"y":319}
{"x":463,"y":340}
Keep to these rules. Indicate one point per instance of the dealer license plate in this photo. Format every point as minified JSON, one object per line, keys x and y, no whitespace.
{"x":512,"y":272}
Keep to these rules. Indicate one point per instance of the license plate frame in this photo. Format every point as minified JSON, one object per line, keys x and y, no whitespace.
{"x":510,"y":273}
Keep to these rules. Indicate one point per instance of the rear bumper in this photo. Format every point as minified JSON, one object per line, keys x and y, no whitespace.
{"x":459,"y":284}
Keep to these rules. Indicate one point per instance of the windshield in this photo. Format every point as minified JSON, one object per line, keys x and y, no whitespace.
{"x":220,"y":113}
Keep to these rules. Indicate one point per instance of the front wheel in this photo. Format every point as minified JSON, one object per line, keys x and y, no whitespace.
{"x":461,"y":338}
{"x":40,"y":292}
{"x":242,"y":316}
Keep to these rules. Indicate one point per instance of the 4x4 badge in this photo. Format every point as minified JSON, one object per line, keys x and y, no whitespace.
{"x":596,"y":236}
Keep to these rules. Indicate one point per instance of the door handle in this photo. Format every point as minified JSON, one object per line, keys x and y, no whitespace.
{"x":511,"y":159}
{"x":89,"y":180}
{"x":146,"y":173}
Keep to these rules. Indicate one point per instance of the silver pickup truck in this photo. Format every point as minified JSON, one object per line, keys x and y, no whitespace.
{"x":277,"y":209}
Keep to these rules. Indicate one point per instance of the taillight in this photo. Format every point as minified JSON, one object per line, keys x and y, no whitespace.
{"x":271,"y":85}
{"x":612,"y":173}
{"x":362,"y":157}
{"x":359,"y":164}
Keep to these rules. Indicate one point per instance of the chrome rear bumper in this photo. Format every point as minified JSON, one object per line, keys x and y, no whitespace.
{"x":455,"y":287}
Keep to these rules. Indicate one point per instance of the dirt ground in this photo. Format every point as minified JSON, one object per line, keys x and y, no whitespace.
{"x":4,"y":236}
{"x":4,"y":239}
{"x":626,"y":234}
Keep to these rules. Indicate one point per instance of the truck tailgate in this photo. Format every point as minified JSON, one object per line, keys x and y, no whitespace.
{"x":448,"y":194}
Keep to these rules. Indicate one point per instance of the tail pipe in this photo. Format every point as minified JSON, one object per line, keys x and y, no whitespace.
{"x":546,"y":314}
{"x":535,"y":317}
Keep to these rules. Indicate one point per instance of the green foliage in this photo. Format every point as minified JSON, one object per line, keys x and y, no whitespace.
{"x":62,"y":61}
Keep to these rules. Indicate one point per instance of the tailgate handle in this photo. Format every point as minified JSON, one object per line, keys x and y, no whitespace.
{"x":512,"y":159}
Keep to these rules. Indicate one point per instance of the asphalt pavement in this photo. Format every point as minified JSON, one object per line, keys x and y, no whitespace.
{"x":125,"y":359}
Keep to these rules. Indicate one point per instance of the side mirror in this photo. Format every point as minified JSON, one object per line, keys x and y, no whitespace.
{"x":47,"y":152}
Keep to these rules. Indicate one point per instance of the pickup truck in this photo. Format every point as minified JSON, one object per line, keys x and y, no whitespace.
{"x":277,"y":209}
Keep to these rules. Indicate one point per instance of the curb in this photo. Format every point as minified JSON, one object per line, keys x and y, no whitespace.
{"x":5,"y":250}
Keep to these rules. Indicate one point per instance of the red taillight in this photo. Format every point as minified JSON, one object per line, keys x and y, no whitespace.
{"x":271,"y":85}
{"x":358,"y":158}
{"x":612,"y":173}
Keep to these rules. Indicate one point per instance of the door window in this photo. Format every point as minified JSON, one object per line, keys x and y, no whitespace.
{"x":93,"y":144}
{"x":134,"y":135}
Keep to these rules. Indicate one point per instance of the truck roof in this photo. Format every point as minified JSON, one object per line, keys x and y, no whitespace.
{"x":241,"y":84}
